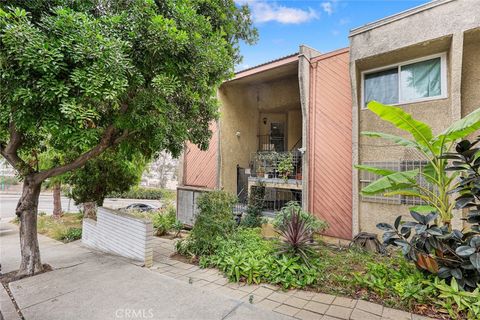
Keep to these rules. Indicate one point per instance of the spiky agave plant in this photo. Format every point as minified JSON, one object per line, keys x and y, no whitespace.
{"x":296,"y":237}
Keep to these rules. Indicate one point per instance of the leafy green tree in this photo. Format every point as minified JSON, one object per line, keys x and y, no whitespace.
{"x":113,"y":171}
{"x":434,"y":150}
{"x":79,"y":77}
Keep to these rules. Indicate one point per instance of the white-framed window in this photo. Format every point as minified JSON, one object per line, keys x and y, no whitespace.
{"x":407,"y":82}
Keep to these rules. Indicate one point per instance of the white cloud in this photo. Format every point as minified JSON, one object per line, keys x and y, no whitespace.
{"x":344,"y":21}
{"x":263,"y":11}
{"x":327,"y":7}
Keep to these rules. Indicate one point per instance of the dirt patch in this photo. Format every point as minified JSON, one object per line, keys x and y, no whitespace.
{"x":184,"y":259}
{"x":6,"y":278}
{"x":171,"y":236}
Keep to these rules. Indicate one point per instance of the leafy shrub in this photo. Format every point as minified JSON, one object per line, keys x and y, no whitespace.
{"x":215,"y":220}
{"x":449,"y":254}
{"x":432,"y":148}
{"x":246,"y":256}
{"x":402,"y":280}
{"x":311,"y":222}
{"x":177,"y":226}
{"x":285,"y":166}
{"x":144,"y":193}
{"x":466,"y":160}
{"x":163,"y":221}
{"x":253,"y":217}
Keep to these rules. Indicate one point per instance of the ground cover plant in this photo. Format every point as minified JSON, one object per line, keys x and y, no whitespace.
{"x":246,"y":256}
{"x":243,"y":255}
{"x":66,"y":228}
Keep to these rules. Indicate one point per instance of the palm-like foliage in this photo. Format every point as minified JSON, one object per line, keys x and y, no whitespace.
{"x":433,"y":148}
{"x":297,"y":237}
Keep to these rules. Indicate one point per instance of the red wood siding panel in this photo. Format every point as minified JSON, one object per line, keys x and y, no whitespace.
{"x":200,"y":167}
{"x":330,"y":149}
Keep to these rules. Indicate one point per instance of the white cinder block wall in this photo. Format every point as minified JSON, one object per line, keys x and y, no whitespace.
{"x":120,"y":234}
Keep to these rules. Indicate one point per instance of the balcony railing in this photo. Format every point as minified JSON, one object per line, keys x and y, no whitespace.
{"x":271,"y":164}
{"x":271,"y":143}
{"x":274,"y":200}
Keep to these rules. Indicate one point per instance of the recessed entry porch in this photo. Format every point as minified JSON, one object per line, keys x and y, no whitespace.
{"x":261,"y":136}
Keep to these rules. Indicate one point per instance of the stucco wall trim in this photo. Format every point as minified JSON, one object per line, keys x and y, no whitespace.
{"x":398,"y":16}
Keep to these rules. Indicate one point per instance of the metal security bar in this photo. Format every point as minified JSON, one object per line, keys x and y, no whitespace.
{"x":271,"y":143}
{"x":275,"y":199}
{"x":368,"y":177}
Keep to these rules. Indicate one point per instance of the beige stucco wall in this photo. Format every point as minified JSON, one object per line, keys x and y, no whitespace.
{"x":237,"y":114}
{"x":471,"y":72}
{"x":294,"y":130}
{"x":436,"y":27}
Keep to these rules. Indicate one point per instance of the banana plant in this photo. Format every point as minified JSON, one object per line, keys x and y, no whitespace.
{"x":433,"y":148}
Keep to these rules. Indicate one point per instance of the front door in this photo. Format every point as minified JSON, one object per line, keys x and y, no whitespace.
{"x":277,"y":136}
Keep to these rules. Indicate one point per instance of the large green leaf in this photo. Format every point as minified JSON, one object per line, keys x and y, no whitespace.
{"x":379,"y":171}
{"x":396,"y":139}
{"x":423,"y":209}
{"x":407,"y":192}
{"x":460,"y":128}
{"x":420,"y":131}
{"x":394,"y":181}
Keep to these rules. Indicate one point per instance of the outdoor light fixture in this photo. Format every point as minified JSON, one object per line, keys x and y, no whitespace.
{"x":237,"y":133}
{"x":264,"y":120}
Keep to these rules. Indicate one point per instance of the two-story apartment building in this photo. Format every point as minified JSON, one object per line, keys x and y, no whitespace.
{"x":312,"y":107}
{"x":425,"y":60}
{"x":295,"y":109}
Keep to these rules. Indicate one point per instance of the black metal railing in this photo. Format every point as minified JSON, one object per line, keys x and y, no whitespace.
{"x":275,"y":199}
{"x":268,"y":164}
{"x":271,"y":143}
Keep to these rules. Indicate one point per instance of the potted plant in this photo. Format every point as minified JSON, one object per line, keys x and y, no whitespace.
{"x":260,"y":171}
{"x":298,"y":176}
{"x":285,"y":166}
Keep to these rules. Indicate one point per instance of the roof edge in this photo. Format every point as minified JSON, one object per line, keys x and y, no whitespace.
{"x":330,"y":54}
{"x":266,"y":66}
{"x":397,"y":16}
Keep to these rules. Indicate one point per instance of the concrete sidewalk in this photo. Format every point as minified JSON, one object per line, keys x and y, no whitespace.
{"x":93,"y":285}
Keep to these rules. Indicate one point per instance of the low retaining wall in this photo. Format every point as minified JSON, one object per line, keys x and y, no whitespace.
{"x":120,"y":234}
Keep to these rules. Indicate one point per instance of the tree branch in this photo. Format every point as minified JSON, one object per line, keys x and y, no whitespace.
{"x":9,"y":152}
{"x":108,"y":139}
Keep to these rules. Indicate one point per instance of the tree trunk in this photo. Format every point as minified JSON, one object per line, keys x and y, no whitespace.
{"x":26,"y":211}
{"x":57,"y":200}
{"x":90,"y":210}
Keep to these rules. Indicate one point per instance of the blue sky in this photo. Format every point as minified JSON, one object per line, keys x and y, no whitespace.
{"x":321,"y":24}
